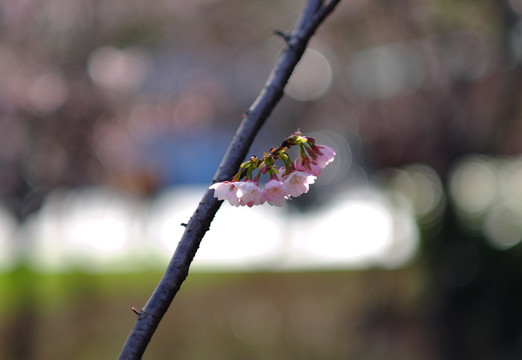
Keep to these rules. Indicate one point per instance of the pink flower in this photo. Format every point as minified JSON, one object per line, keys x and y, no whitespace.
{"x":325,"y":155}
{"x":281,"y":175}
{"x":298,"y":182}
{"x":226,"y":190}
{"x":249,"y":193}
{"x":303,"y":163}
{"x":275,"y":192}
{"x":290,"y":180}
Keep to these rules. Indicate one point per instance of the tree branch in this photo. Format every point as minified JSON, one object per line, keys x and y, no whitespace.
{"x":150,"y":316}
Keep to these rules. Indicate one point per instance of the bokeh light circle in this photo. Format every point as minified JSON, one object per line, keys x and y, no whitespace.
{"x":311,"y":78}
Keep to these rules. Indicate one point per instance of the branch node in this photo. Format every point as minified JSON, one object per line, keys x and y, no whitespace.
{"x":136,"y":311}
{"x":282,"y":34}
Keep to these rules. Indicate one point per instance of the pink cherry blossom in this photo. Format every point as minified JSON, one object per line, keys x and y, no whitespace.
{"x":325,"y":155}
{"x":281,"y":175}
{"x":290,"y":180}
{"x":249,"y":193}
{"x":303,"y":163}
{"x":226,"y":190}
{"x":275,"y":192}
{"x":298,"y":182}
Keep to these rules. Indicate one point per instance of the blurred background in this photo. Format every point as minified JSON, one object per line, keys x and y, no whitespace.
{"x":115,"y":115}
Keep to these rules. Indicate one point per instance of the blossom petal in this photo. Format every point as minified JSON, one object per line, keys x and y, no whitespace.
{"x":250,"y":193}
{"x":298,"y":182}
{"x":226,"y":190}
{"x":275,"y":192}
{"x":325,"y":155}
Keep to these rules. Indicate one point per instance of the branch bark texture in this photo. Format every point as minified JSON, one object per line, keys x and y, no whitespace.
{"x":150,"y":316}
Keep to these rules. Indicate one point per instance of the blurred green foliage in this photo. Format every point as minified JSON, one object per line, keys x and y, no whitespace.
{"x":305,"y":315}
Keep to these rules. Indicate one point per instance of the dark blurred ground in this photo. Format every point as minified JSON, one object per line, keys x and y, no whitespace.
{"x":425,"y":97}
{"x":330,"y":315}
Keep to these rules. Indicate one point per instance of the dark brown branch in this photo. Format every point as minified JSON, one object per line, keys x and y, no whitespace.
{"x":150,"y":316}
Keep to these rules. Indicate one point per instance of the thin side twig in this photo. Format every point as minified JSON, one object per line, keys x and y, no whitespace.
{"x":152,"y":313}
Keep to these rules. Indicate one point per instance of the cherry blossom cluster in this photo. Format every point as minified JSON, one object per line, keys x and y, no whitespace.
{"x":290,"y":180}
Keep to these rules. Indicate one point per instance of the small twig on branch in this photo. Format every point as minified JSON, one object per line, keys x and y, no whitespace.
{"x":136,"y":311}
{"x":151,"y":314}
{"x":285,"y":36}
